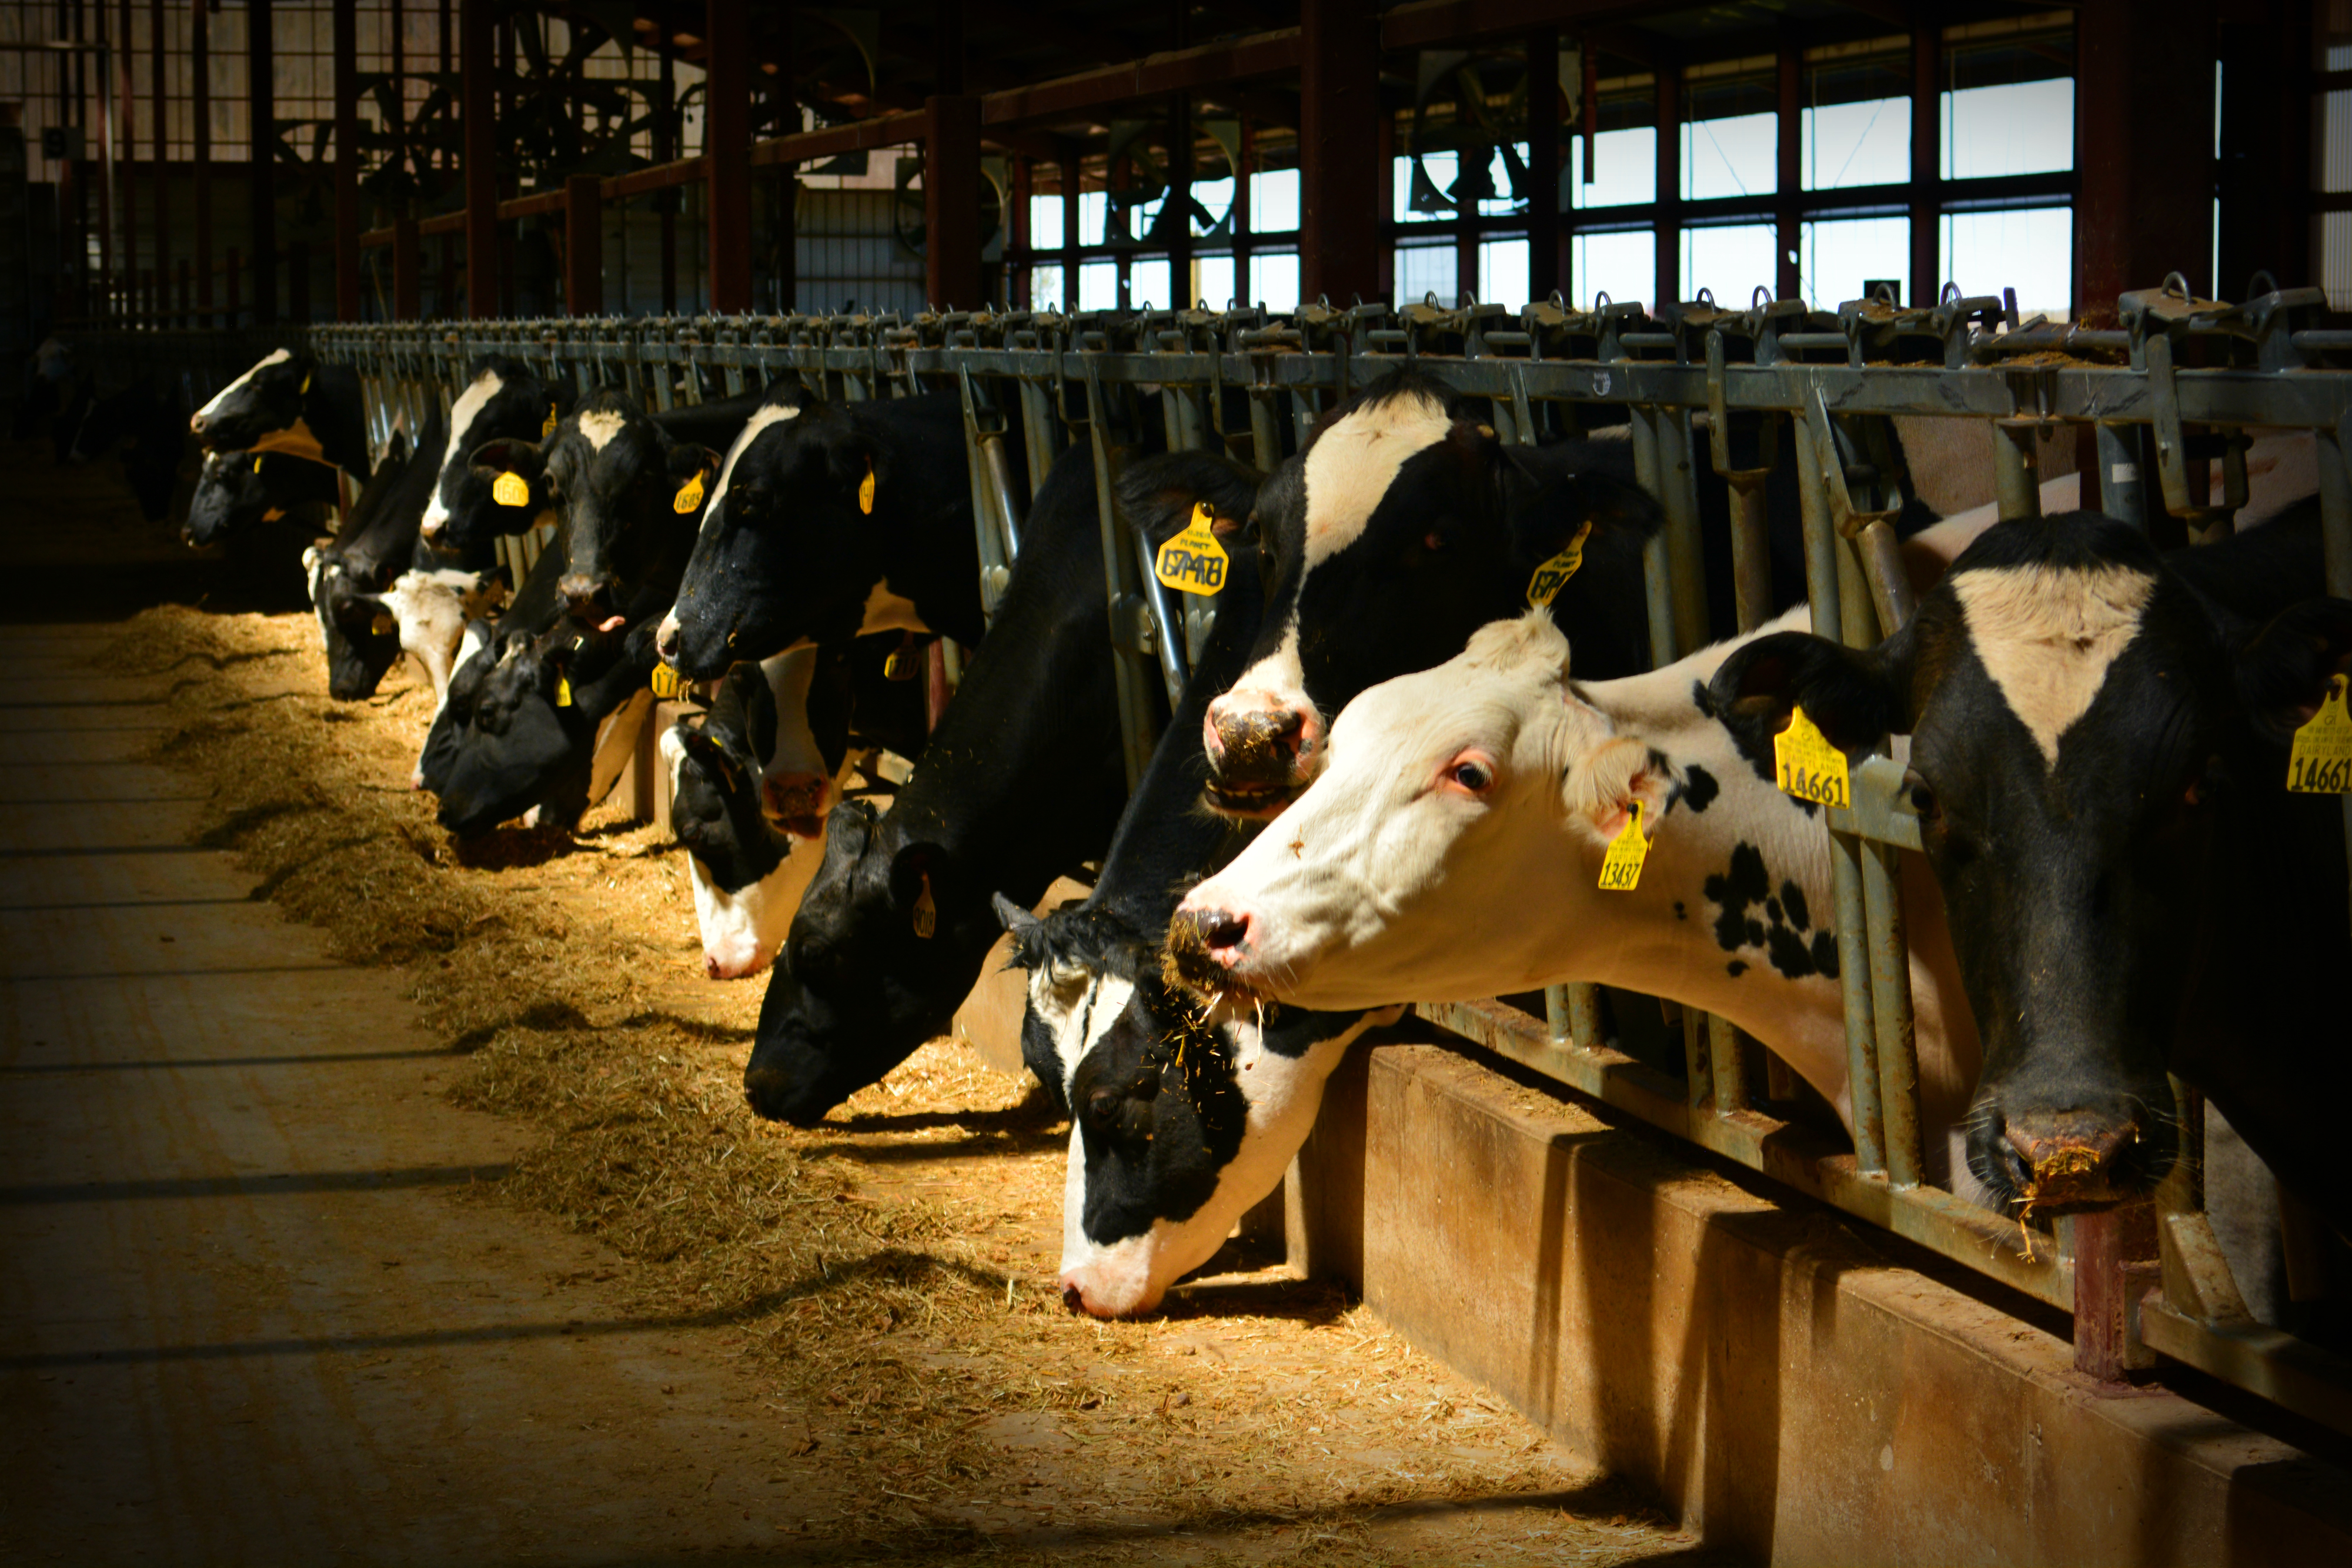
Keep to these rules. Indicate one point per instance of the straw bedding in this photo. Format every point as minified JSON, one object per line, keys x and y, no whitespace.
{"x":888,"y":1276}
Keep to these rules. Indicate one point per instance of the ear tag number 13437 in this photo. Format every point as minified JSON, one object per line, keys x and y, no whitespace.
{"x":1620,"y":867}
{"x":1807,"y":765}
{"x":2321,"y":760}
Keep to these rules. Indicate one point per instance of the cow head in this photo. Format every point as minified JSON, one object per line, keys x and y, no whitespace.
{"x":1401,"y":527}
{"x":230,"y":497}
{"x":2078,"y":731}
{"x":860,"y":985}
{"x":264,"y":403}
{"x":789,"y":549}
{"x":618,"y":483}
{"x":494,"y":429}
{"x":1181,"y":1118}
{"x":361,"y":634}
{"x":716,"y":813}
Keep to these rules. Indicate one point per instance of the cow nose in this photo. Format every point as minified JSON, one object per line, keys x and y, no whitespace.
{"x":587,"y":598}
{"x":196,"y":424}
{"x":1218,"y":932}
{"x":2068,"y":1156}
{"x":1073,"y":1295}
{"x":709,"y":967}
{"x":1259,"y":740}
{"x":666,"y":639}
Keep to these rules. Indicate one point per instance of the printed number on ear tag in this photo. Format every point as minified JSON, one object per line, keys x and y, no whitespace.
{"x":562,"y":691}
{"x":1193,"y":561}
{"x":1553,"y":575}
{"x":1807,"y":765}
{"x":927,"y":912}
{"x":511,"y":490}
{"x":667,"y":682}
{"x":1620,"y":867}
{"x":865,"y":490}
{"x":548,"y":429}
{"x":690,"y":494}
{"x":2321,"y":761}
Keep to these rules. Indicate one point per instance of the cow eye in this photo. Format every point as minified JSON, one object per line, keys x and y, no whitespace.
{"x":1471,"y":773}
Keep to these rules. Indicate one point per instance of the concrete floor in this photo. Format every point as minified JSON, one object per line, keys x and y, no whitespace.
{"x":240,"y":1320}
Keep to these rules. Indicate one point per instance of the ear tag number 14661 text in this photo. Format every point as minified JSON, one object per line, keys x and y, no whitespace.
{"x":2321,"y":760}
{"x":1807,"y":765}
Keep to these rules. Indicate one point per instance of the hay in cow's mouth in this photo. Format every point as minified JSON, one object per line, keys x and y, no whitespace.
{"x":890,"y":1273}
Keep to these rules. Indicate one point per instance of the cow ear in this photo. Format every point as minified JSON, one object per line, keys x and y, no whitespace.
{"x":706,"y":749}
{"x":1547,"y":508}
{"x":1603,"y":785}
{"x":1854,"y":695}
{"x":2283,"y":673}
{"x":1025,"y":929}
{"x":687,"y":459}
{"x":511,"y":457}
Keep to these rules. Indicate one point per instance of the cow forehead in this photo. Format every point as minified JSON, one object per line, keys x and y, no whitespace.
{"x":764,"y":418}
{"x":1355,"y":460}
{"x":2047,"y":636}
{"x":600,"y":425}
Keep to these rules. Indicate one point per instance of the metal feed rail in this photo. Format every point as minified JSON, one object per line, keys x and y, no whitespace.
{"x":1741,"y":389}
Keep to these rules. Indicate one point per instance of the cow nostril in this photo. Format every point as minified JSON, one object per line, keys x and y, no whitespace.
{"x":1074,"y":1298}
{"x":709,"y":967}
{"x":1218,"y":931}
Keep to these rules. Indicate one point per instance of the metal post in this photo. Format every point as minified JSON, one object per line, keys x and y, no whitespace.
{"x":584,"y":245}
{"x":1679,"y":490}
{"x":727,"y":153}
{"x":347,"y":160}
{"x":1890,"y":994}
{"x":408,"y":287}
{"x":1338,"y":126}
{"x":951,"y":203}
{"x":1657,"y":557}
{"x":1139,"y":728}
{"x":477,"y":123}
{"x":260,"y":191}
{"x":1927,"y":158}
{"x":1544,"y":263}
{"x":2017,"y":474}
{"x":200,"y":111}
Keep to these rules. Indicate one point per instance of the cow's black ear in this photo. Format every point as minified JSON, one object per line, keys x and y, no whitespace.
{"x":1025,"y":929}
{"x":1854,"y":696}
{"x":2283,"y":673}
{"x":689,"y":458}
{"x":511,"y":457}
{"x":706,"y":749}
{"x":1545,"y":507}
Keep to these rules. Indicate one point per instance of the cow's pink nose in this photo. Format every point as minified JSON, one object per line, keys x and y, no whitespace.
{"x":1220,"y":932}
{"x":709,"y":967}
{"x":1074,"y":1296}
{"x":1257,"y":740}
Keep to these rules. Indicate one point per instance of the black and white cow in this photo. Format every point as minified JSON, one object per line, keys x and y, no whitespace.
{"x":830,"y":520}
{"x":1021,"y":780}
{"x":142,"y":422}
{"x":503,"y":400}
{"x":628,"y":496}
{"x":2098,"y":755}
{"x":1403,"y":526}
{"x":376,"y":543}
{"x":236,"y":492}
{"x":289,"y":402}
{"x":535,"y":609}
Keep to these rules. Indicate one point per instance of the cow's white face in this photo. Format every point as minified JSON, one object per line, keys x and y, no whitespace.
{"x":1135,"y":1219}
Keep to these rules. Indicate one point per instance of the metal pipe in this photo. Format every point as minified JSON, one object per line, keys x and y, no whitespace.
{"x":1893,"y":1024}
{"x":1657,"y":553}
{"x":1728,"y":1049}
{"x":1861,"y":1026}
{"x":2122,"y":493}
{"x":1678,"y":492}
{"x":2016,"y":470}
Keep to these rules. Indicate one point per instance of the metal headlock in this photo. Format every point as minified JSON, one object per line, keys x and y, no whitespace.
{"x":2177,"y":386}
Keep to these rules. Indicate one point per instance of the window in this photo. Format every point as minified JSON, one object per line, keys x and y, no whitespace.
{"x":1624,"y":168}
{"x":1273,"y":202}
{"x":1503,"y":272}
{"x":1094,"y":211}
{"x":1046,"y":288}
{"x":1216,"y":198}
{"x":1731,"y":262}
{"x":1425,"y":270}
{"x":1736,"y":156}
{"x":1216,"y":286}
{"x":2016,"y":128}
{"x":2032,"y":251}
{"x":1098,"y":285}
{"x":1150,"y":282}
{"x":1621,"y":266}
{"x":1848,"y":144}
{"x":1274,"y":279}
{"x":1045,"y":222}
{"x":1839,"y":256}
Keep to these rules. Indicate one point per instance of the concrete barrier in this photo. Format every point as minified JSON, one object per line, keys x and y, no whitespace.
{"x":1796,"y":1386}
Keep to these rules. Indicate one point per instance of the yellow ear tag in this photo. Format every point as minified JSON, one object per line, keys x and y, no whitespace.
{"x":548,"y":429}
{"x":1808,"y":766}
{"x":257,"y":465}
{"x":927,"y":914}
{"x":305,"y":388}
{"x":1193,"y":561}
{"x":2321,"y":761}
{"x":1620,"y":867}
{"x":690,"y":494}
{"x":1553,"y":575}
{"x":667,"y":682}
{"x":865,"y":490}
{"x":511,"y":490}
{"x":383,"y":625}
{"x":562,"y":691}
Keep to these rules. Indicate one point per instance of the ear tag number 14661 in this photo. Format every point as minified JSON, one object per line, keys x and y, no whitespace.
{"x":2321,"y":760}
{"x":1807,"y":765}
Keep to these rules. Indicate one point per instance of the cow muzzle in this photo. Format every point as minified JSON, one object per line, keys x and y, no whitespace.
{"x":1207,"y":945}
{"x":590,"y":600}
{"x":2066,"y":1161}
{"x":1261,"y":750}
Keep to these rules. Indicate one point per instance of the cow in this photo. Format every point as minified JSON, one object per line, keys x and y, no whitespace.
{"x":1021,"y":780}
{"x":143,"y":420}
{"x":376,"y":543}
{"x":494,"y":479}
{"x":291,"y":402}
{"x":535,"y":610}
{"x":236,"y":492}
{"x":628,"y":496}
{"x":2099,"y":754}
{"x":430,"y":610}
{"x":553,"y":720}
{"x":503,"y":400}
{"x":827,"y":521}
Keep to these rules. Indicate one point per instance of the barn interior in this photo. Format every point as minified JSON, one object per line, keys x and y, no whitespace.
{"x":380,"y":1190}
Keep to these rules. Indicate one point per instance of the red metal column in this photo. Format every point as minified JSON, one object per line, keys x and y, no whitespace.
{"x":261,"y":188}
{"x":408,"y":279}
{"x":1545,"y":264}
{"x":665,"y":152}
{"x":584,"y":246}
{"x":1669,"y":227}
{"x":2144,"y":140}
{"x":476,"y":32}
{"x":952,"y":204}
{"x":347,"y":160}
{"x":1927,"y":160}
{"x":1017,"y":292}
{"x":1339,"y":134}
{"x":200,"y":114}
{"x":1073,"y":174}
{"x":125,"y":53}
{"x":101,"y":299}
{"x":159,"y":100}
{"x":1787,"y":222}
{"x":727,"y":155}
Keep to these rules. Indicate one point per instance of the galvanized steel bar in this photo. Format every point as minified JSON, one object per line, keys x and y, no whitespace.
{"x":1894,"y":1032}
{"x":2016,"y":475}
